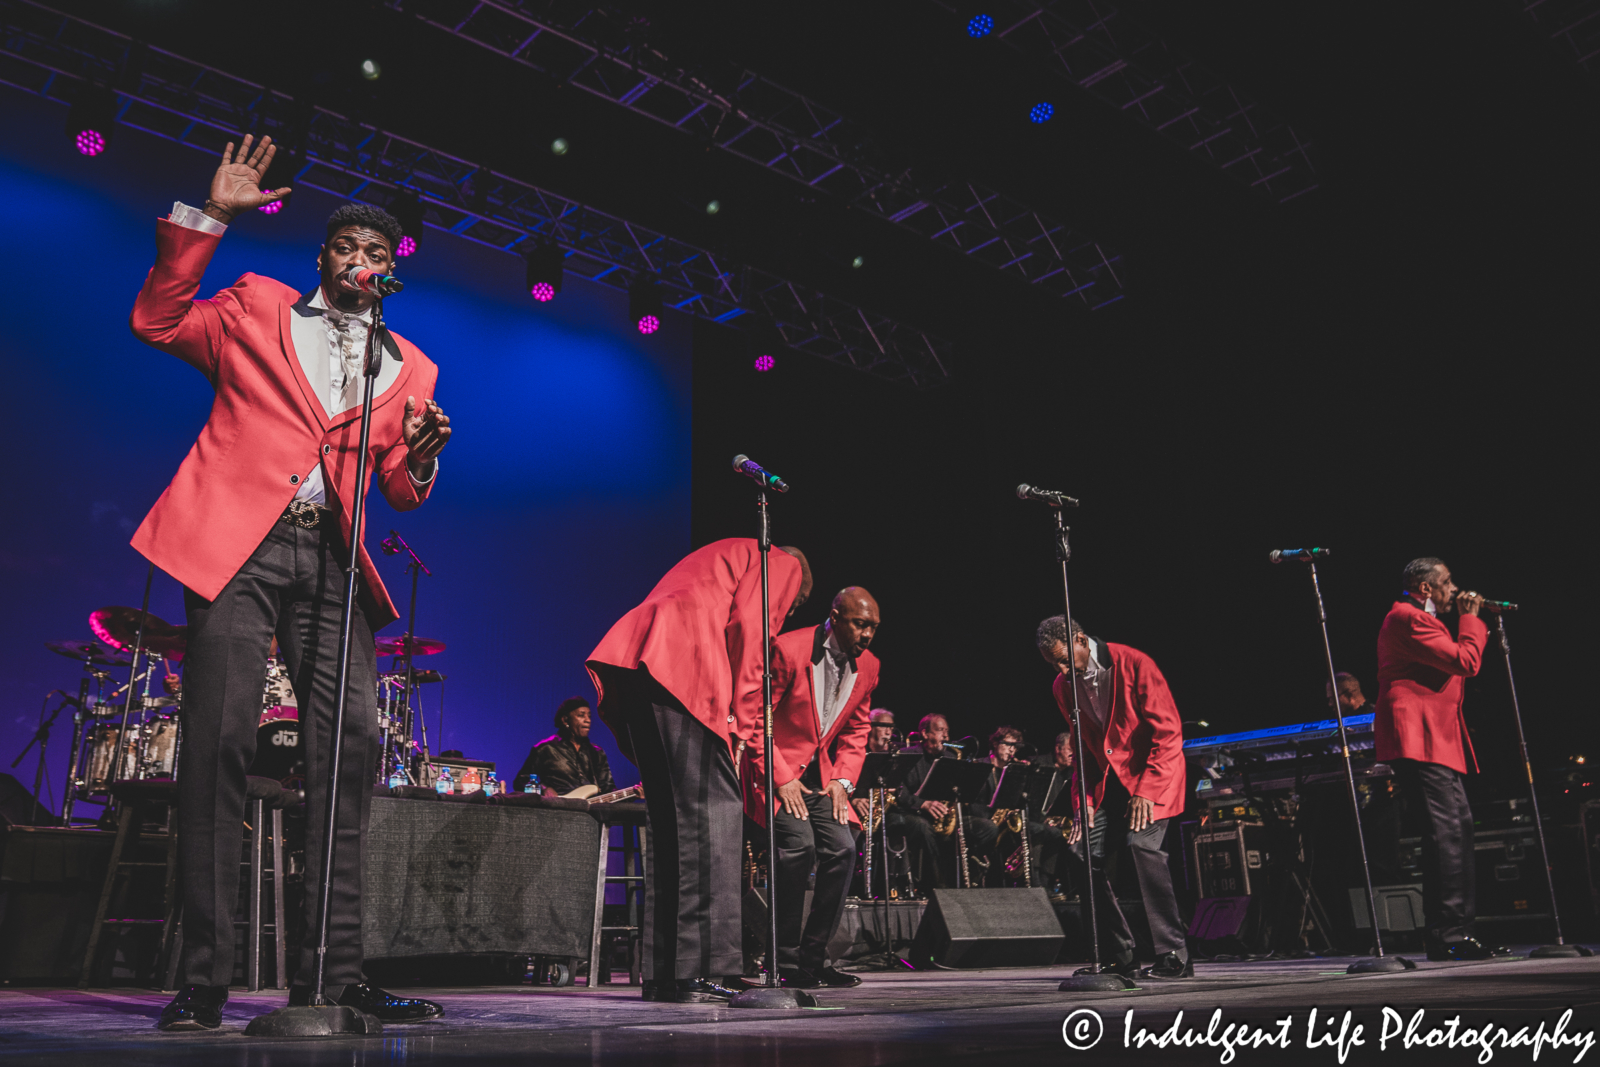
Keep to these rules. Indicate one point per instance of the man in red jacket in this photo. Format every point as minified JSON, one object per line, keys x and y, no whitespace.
{"x":668,"y":673}
{"x":1132,"y":726}
{"x":822,"y":686}
{"x":256,"y":525}
{"x":1420,"y":732}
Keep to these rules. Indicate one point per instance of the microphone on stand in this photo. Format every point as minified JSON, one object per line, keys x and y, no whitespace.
{"x":370,"y":281}
{"x":1049,"y":496}
{"x":1307,"y":555}
{"x":748,"y":467}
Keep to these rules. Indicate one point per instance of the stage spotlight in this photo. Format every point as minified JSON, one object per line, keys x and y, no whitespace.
{"x":91,"y":119}
{"x":559,"y":146}
{"x":370,"y":70}
{"x":764,"y":363}
{"x":644,"y":304}
{"x":407,"y":210}
{"x":544,"y":262}
{"x":980,"y":26}
{"x":713,"y":207}
{"x":1041,"y":112}
{"x":858,"y":262}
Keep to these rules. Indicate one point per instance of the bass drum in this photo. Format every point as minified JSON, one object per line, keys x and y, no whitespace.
{"x":279,"y":755}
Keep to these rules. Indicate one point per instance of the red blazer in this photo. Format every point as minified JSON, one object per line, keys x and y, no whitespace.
{"x":266,"y":425}
{"x":698,"y":633}
{"x":795,"y":722}
{"x":1420,"y":687}
{"x":1143,"y":738}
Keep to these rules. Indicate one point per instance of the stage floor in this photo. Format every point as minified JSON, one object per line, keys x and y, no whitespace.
{"x":994,"y":1017}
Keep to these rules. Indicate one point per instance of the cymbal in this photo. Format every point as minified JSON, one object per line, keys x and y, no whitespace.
{"x":90,"y":652}
{"x":419,"y":677}
{"x":420,"y":646}
{"x":119,"y":627}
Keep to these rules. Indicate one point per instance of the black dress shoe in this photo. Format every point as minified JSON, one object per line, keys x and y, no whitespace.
{"x":798,"y":979}
{"x":1468,"y":948}
{"x":699,"y":991}
{"x":387,"y":1007}
{"x":1169,"y":966}
{"x":650,"y":990}
{"x":196,"y":1007}
{"x":835,"y":978}
{"x":1128,"y":970}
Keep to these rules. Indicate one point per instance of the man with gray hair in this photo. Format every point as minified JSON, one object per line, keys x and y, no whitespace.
{"x":1420,"y":732}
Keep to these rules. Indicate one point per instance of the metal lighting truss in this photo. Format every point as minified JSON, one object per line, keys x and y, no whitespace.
{"x":1093,"y":46}
{"x":52,"y":55}
{"x":1572,"y":25}
{"x":604,"y":52}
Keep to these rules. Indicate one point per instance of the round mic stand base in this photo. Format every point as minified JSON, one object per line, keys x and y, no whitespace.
{"x":1552,"y":952}
{"x":1103,"y":982}
{"x":1380,"y":965}
{"x":773,"y":997}
{"x":329,"y":1020}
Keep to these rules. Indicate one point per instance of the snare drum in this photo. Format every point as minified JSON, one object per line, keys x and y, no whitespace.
{"x":102,"y":749}
{"x":158,"y":754}
{"x":278,"y":751}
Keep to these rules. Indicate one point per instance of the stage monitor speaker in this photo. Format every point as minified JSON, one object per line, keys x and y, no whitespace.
{"x":1399,"y":908}
{"x":1216,"y":918}
{"x":987,"y":928}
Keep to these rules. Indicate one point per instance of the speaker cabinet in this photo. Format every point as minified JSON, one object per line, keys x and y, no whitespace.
{"x":987,"y":928}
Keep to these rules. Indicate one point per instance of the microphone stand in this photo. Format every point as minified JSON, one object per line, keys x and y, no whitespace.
{"x":319,"y":1018}
{"x":770,"y":994}
{"x":1560,"y":948}
{"x":1377,"y":963}
{"x":133,"y":679}
{"x":392,"y":544}
{"x":1095,"y":980}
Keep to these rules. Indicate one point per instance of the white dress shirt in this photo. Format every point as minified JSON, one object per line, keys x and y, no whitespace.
{"x":330,"y":347}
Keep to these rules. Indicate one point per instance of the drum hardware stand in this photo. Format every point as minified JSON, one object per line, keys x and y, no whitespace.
{"x":392,"y":545}
{"x":770,"y":994}
{"x":1377,"y":963}
{"x":1560,"y":948}
{"x":133,"y":678}
{"x":320,"y":1018}
{"x":41,"y":737}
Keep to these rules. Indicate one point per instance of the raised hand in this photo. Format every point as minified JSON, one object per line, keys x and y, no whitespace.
{"x":426,"y":433}
{"x":236,"y":186}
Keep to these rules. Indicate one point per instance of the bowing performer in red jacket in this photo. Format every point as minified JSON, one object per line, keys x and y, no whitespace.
{"x":822,"y":686}
{"x":256,"y":525}
{"x":1420,"y":732}
{"x":667,"y":674}
{"x":1132,"y":727}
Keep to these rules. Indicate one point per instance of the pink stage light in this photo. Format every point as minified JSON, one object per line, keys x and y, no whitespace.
{"x":90,"y":142}
{"x":407,"y":246}
{"x":271,"y":207}
{"x":543,"y":292}
{"x":764,"y":363}
{"x":649,"y":324}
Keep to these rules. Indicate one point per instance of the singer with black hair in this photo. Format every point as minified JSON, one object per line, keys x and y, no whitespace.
{"x":1419,"y":730}
{"x":568,"y":759}
{"x":256,"y":525}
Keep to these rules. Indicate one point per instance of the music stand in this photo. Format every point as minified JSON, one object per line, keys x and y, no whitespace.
{"x":1019,"y":784}
{"x":948,"y":780}
{"x":885,"y":770}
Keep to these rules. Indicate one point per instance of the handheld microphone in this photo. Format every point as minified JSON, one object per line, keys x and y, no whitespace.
{"x":370,"y":281}
{"x":748,"y":467}
{"x":1496,"y":606}
{"x":1049,"y":496}
{"x":1308,"y":555}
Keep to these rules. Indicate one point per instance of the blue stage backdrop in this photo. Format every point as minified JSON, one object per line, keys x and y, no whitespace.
{"x":562,"y":498}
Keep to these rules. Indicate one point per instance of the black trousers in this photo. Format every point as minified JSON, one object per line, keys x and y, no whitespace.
{"x":692,"y":903}
{"x":291,"y":586}
{"x":829,"y":846}
{"x":1150,"y":867}
{"x":1436,"y":797}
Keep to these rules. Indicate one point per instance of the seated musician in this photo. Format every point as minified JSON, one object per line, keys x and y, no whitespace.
{"x":568,"y":759}
{"x":1352,"y":701}
{"x":1003,"y":746}
{"x":939,"y":849}
{"x":1050,"y":840}
{"x":1126,"y":712}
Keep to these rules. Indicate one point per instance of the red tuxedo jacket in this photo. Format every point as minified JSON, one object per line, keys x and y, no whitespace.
{"x":267,"y":425}
{"x":1420,"y":687}
{"x":1143,"y":738}
{"x":795,"y":722}
{"x":698,"y":633}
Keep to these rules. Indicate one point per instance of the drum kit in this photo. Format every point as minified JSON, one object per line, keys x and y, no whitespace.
{"x":117,"y":739}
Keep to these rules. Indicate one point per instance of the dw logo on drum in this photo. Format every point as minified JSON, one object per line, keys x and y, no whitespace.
{"x":286,"y":738}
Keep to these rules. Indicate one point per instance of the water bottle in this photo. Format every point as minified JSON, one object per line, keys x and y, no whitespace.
{"x":398,"y":776}
{"x":491,"y":785}
{"x":444,"y":783}
{"x":469,"y":780}
{"x":533,"y":785}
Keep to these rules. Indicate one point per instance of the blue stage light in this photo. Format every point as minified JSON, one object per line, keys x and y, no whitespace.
{"x":1041,"y":112}
{"x":980,"y":26}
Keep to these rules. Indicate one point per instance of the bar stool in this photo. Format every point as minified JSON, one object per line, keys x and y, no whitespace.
{"x":629,"y":819}
{"x":133,"y":798}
